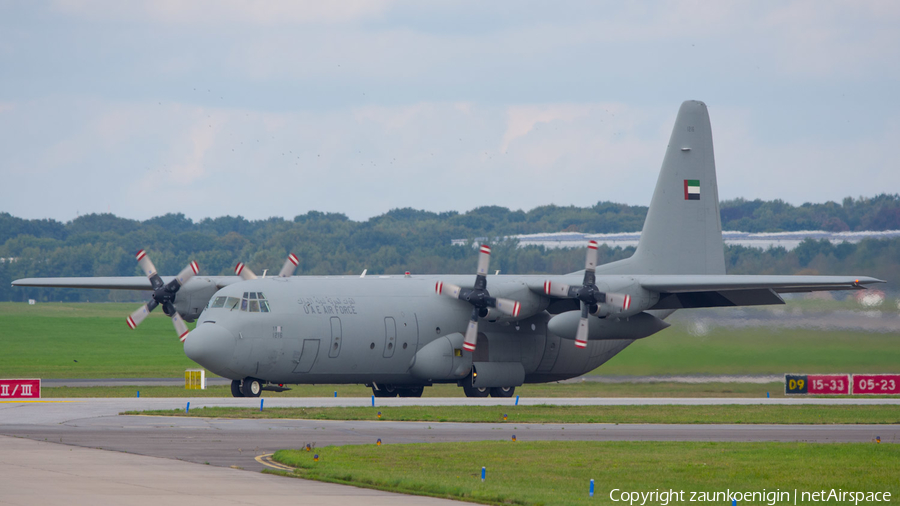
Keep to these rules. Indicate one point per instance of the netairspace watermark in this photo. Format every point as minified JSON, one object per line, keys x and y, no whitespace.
{"x":771,"y":497}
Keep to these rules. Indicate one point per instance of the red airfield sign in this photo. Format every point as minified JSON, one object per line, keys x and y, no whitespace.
{"x":20,"y":389}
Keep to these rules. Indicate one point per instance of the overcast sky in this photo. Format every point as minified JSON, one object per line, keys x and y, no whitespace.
{"x":264,"y":108}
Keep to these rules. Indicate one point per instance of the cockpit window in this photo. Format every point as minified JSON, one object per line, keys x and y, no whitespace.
{"x":223,"y":302}
{"x":255,"y":302}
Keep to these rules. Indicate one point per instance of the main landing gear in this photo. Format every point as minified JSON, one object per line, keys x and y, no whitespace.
{"x":247,"y":387}
{"x":473,"y":391}
{"x":382,"y":390}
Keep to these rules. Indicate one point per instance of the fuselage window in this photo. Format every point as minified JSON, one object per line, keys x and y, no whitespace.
{"x":218,"y":302}
{"x":252,"y":295}
{"x":263,"y":306}
{"x":244,"y":304}
{"x":254,"y":306}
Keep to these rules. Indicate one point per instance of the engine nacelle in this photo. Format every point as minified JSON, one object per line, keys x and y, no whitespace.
{"x":565,"y":325}
{"x":629,"y":302}
{"x":530,"y":303}
{"x":193,"y":297}
{"x":439,"y":360}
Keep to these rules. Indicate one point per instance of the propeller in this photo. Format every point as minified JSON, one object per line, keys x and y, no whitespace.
{"x":478,"y":297}
{"x":287,"y":270}
{"x":590,"y":296}
{"x":163,"y":294}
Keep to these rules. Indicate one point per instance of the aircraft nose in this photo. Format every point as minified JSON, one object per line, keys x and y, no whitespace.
{"x":211,"y":346}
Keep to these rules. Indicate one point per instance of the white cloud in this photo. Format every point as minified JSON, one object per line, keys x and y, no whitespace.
{"x":361,"y":107}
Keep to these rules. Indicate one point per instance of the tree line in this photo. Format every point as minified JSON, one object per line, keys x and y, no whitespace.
{"x":418,"y":241}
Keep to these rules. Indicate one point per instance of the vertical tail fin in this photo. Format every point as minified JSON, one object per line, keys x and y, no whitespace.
{"x":682,"y":233}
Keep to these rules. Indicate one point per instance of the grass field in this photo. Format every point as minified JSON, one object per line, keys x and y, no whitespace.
{"x":537,"y":473}
{"x":731,"y":414}
{"x":72,"y":340}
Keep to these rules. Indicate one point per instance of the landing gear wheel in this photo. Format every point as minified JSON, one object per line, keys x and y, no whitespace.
{"x":415,"y":391}
{"x":236,"y":388}
{"x":473,"y":391}
{"x":384,"y":391}
{"x":251,"y":387}
{"x":503,"y":391}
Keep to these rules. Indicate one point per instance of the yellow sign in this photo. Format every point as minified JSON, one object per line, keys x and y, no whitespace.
{"x":195,"y":379}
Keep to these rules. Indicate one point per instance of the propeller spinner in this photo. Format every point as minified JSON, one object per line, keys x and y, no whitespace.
{"x":590,"y":296}
{"x":163,"y":294}
{"x":478,"y":297}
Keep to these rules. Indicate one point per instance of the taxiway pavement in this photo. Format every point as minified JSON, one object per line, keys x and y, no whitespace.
{"x":81,"y":424}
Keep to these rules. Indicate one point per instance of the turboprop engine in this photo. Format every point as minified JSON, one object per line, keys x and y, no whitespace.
{"x":618,"y":298}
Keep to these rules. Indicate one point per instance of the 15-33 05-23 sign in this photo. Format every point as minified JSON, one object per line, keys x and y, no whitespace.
{"x":842,"y":384}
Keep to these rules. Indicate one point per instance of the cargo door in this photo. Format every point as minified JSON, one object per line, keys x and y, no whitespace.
{"x":551,"y":352}
{"x":308,"y":355}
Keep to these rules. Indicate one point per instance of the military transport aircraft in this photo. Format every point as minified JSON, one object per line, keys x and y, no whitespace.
{"x":401,"y":333}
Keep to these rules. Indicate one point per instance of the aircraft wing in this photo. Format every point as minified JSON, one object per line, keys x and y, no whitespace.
{"x":780,"y":284}
{"x":115,"y":282}
{"x":692,"y":291}
{"x":684,"y":291}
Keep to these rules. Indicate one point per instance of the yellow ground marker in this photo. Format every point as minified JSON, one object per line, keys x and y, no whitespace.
{"x":266,"y":460}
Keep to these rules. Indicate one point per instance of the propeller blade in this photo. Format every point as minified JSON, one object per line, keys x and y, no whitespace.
{"x":135,"y":318}
{"x":508,"y":306}
{"x":180,"y":327}
{"x":289,"y":265}
{"x":618,"y":301}
{"x":591,"y":260}
{"x":471,"y":335}
{"x":447,"y":289}
{"x":484,"y":260}
{"x":581,"y":337}
{"x":556,"y":289}
{"x":244,"y":272}
{"x":187,"y":273}
{"x":145,"y":263}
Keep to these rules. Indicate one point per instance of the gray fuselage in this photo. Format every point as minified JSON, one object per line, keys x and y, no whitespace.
{"x":369,"y":330}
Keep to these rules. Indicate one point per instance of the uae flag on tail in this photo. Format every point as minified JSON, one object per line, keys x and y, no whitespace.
{"x":691,"y":189}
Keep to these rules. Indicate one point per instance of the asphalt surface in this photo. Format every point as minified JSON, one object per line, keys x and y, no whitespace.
{"x":81,"y":424}
{"x":96,"y":423}
{"x":38,"y":473}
